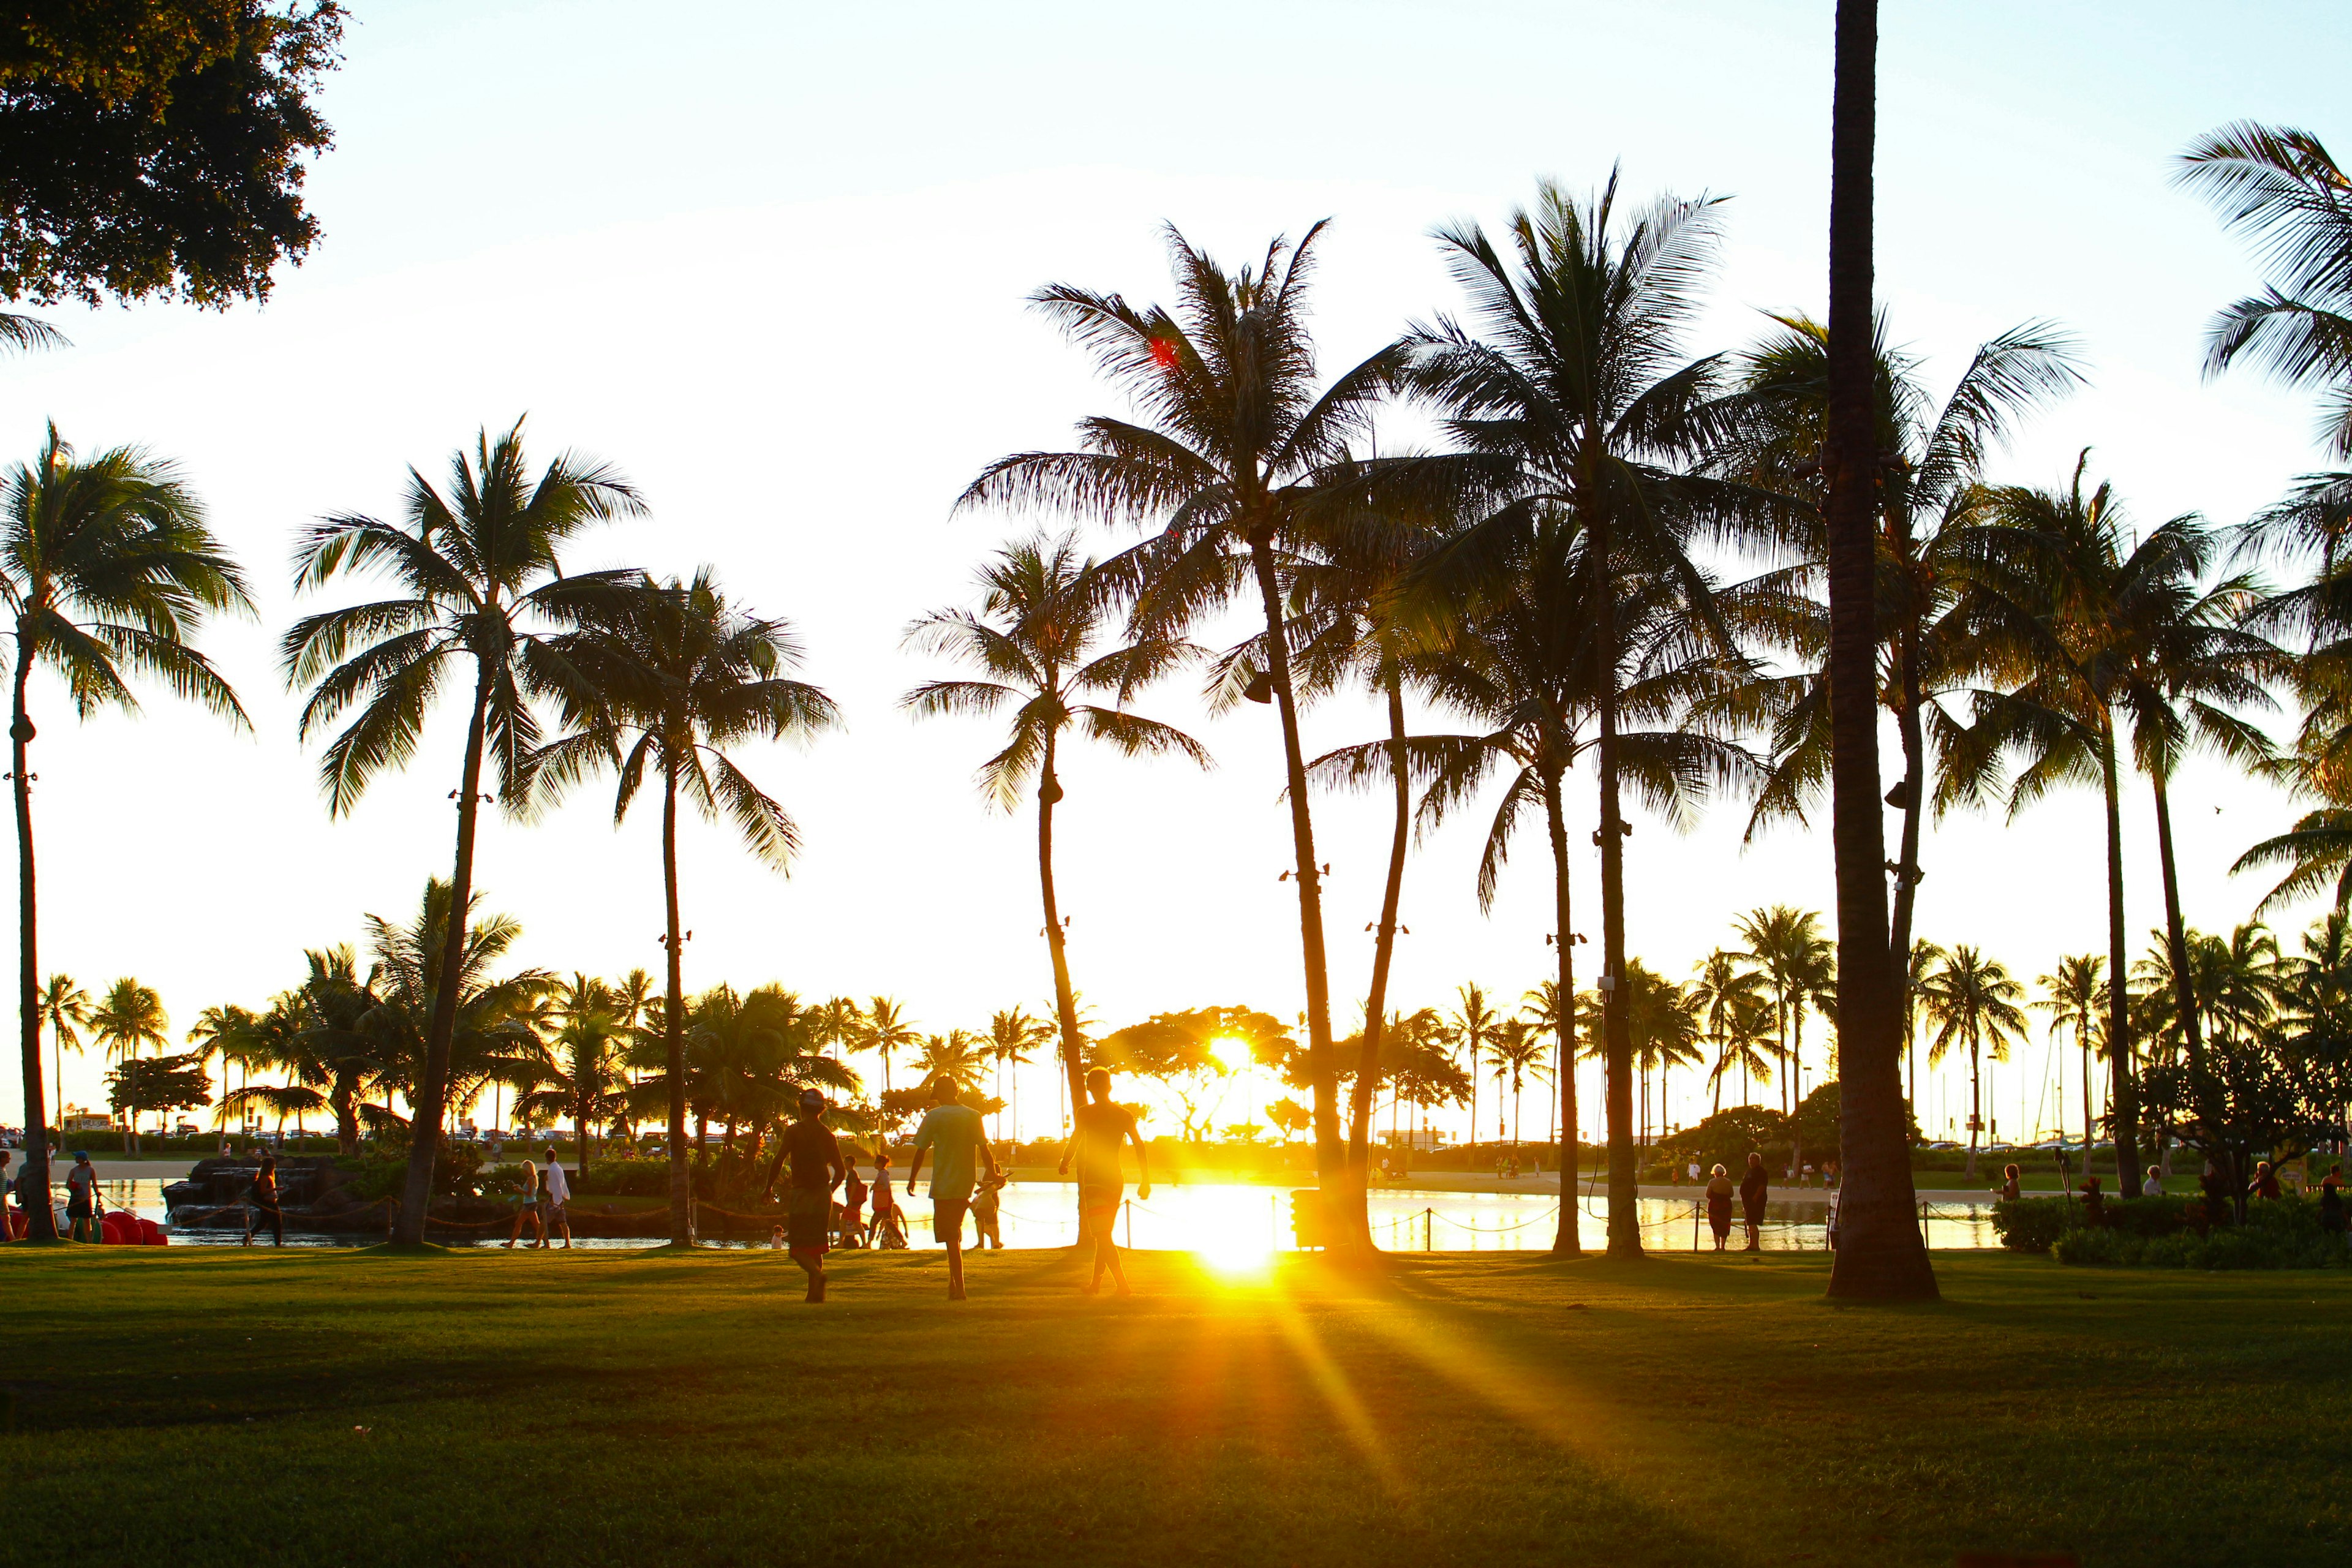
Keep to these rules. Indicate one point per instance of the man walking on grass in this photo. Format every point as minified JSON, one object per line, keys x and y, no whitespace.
{"x":558,"y":1195}
{"x":1102,"y":1131}
{"x":953,"y":1135}
{"x":818,"y":1169}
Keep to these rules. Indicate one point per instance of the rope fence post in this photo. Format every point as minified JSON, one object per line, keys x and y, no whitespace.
{"x":1129,"y":1206}
{"x":1429,"y":1230}
{"x":1697,"y":1204}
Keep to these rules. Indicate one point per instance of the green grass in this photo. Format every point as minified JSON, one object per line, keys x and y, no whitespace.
{"x":191,"y":1407}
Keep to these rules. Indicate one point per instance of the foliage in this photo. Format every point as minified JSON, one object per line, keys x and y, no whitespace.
{"x":380,"y":1171}
{"x":2283,"y":1233}
{"x":2031,"y":1224}
{"x":1728,"y":1137}
{"x":159,"y":1083}
{"x":159,"y":148}
{"x":625,"y":1178}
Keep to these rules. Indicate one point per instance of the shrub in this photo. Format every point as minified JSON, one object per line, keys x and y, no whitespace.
{"x":626,"y":1178}
{"x":2281,"y":1235}
{"x":2031,"y":1224}
{"x":381,"y":1172}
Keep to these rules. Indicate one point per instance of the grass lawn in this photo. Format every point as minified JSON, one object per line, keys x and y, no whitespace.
{"x":185,"y":1406}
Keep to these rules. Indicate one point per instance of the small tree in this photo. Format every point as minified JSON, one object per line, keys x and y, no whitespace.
{"x":159,"y":1084}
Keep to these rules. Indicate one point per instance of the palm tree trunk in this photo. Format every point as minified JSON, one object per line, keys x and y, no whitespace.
{"x":347,"y":1120}
{"x":433,"y":1073}
{"x":1330,"y":1151}
{"x":1915,"y":782}
{"x":2089,"y":1127}
{"x":1376,"y":998}
{"x":1065,"y":1000}
{"x":1976,"y":1103}
{"x":2176,"y":933}
{"x":1616,"y":1024}
{"x":681,"y":1188}
{"x":2123,"y":1095}
{"x":1566,"y":1240}
{"x":1880,"y":1253}
{"x":40,"y":1220}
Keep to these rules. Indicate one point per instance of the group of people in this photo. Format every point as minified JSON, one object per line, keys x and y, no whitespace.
{"x":86,"y":1208}
{"x":1755,"y":1186}
{"x":965,"y":1181}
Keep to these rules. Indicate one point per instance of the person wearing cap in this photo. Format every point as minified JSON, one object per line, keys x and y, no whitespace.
{"x":955,"y":1133}
{"x":81,"y":1198}
{"x":818,"y":1169}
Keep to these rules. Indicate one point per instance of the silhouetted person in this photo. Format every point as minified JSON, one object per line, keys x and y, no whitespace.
{"x":2094,"y":1203}
{"x":2011,"y":1188}
{"x":2266,"y":1181}
{"x":1100,"y":1131}
{"x":2221,"y":1203}
{"x":262,"y":1200}
{"x":1719,"y":1205}
{"x":952,"y":1134}
{"x":818,"y":1169}
{"x":1753,"y":1188}
{"x":81,"y":1199}
{"x":2331,"y":1200}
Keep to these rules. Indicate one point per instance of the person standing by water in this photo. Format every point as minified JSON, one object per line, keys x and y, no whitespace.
{"x":527,"y":1209}
{"x":1101,"y":1130}
{"x":1753,"y":1189}
{"x":554,"y":1194}
{"x":1718,"y":1205}
{"x":818,"y":1169}
{"x":852,"y":1202}
{"x":953,"y":1133}
{"x":2012,"y":1188}
{"x":81,"y":1199}
{"x":262,"y":1202}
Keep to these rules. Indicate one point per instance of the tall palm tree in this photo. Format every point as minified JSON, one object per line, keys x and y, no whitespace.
{"x":669,"y":675}
{"x":1787,"y":944}
{"x":1666,"y":1028}
{"x":1972,"y":1001}
{"x":1472,"y":1027}
{"x":477,"y":579}
{"x":2071,"y":996}
{"x":1932,"y":458}
{"x":108,"y":570}
{"x":887,"y":1031}
{"x":1730,"y":1002}
{"x":1038,"y":639}
{"x":2116,"y":635}
{"x":63,"y":1008}
{"x":1228,"y":466}
{"x":127,"y":1019}
{"x":1923,"y":956}
{"x":1576,"y":398}
{"x":1518,"y":1055}
{"x":1012,"y":1034}
{"x":1881,"y":1254}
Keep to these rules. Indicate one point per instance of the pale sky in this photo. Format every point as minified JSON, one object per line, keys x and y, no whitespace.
{"x":773,"y":265}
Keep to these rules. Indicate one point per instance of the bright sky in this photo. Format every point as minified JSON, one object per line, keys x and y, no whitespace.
{"x":773,"y":265}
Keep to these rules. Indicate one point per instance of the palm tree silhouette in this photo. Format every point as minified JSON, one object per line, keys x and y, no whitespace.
{"x":666,"y":677}
{"x":1037,"y":638}
{"x":1576,"y":398}
{"x":1733,"y":1013}
{"x":1473,"y":1023}
{"x":63,"y":1008}
{"x":108,"y":570}
{"x":1229,"y":467}
{"x":1972,"y":1001}
{"x":478,"y":581}
{"x":1012,"y":1034}
{"x":127,"y":1019}
{"x":886,"y":1031}
{"x":2071,"y":997}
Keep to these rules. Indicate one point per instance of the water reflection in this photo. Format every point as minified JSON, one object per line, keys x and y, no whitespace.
{"x":1237,"y":1226}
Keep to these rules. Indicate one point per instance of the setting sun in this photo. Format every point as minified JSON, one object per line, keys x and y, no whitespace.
{"x":1231,"y":1051}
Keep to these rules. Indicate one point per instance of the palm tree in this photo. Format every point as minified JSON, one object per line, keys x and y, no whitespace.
{"x":2071,"y":997}
{"x":478,"y":579}
{"x":1474,"y":1025}
{"x":585,"y":1080}
{"x":109,"y":569}
{"x":888,"y":1031}
{"x":2113,"y":633}
{"x":1012,"y":1034}
{"x":1038,"y":638}
{"x":1229,"y":468}
{"x":1575,"y":399}
{"x":958,"y":1058}
{"x":1924,"y":955}
{"x":1932,"y":459}
{"x":1789,"y":945}
{"x":1972,"y":1000}
{"x":668,"y":676}
{"x":1666,"y":1028}
{"x":1731,"y":1007}
{"x":127,"y":1019}
{"x":63,"y":1007}
{"x":1518,"y":1055}
{"x":1881,"y":1253}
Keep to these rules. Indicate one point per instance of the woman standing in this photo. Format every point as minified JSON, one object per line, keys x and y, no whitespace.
{"x":1753,"y":1188}
{"x":81,"y":1199}
{"x":1718,"y":1205}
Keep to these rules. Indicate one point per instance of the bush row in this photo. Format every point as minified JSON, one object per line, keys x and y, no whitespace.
{"x":2174,"y":1232}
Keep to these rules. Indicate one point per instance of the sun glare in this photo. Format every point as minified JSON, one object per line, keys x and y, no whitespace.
{"x":1235,"y":1257}
{"x":1231,"y":1051}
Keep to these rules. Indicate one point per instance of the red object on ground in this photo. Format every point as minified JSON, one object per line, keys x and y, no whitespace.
{"x":16,"y":1225}
{"x":118,"y":1229}
{"x":151,"y":1234}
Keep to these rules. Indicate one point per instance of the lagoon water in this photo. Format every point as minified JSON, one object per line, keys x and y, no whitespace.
{"x":1236,"y":1222}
